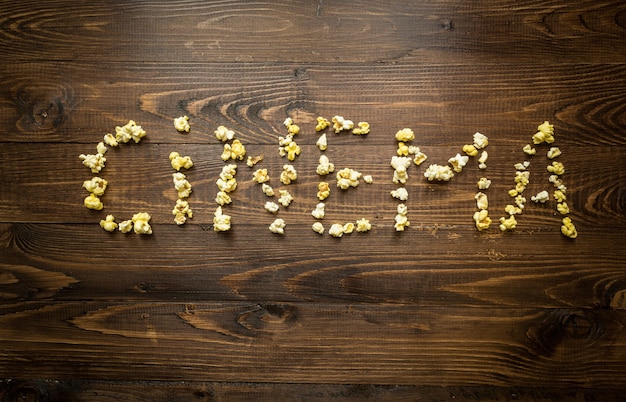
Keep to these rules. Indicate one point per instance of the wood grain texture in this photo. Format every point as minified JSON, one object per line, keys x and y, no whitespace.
{"x":438,"y":312}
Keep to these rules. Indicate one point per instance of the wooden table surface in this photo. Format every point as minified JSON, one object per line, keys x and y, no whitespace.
{"x":440,"y":311}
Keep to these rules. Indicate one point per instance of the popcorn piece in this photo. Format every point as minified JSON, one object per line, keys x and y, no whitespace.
{"x":96,"y":185}
{"x":322,"y":142}
{"x":419,"y":157}
{"x":559,"y":196}
{"x":362,"y":129}
{"x":288,"y":122}
{"x":323,"y":190}
{"x":340,"y":124}
{"x":402,"y":222}
{"x":110,"y":140}
{"x":101,"y":148}
{"x":482,"y":160}
{"x":221,"y":222}
{"x":553,"y":152}
{"x":235,"y":150}
{"x":470,"y":149}
{"x":222,"y":198}
{"x":319,"y":211}
{"x":403,"y":149}
{"x":348,"y":228}
{"x":347,"y":178}
{"x":545,"y":134}
{"x":529,"y":150}
{"x":458,"y":162}
{"x":520,"y":200}
{"x":325,"y":166}
{"x":108,"y":224}
{"x":93,"y":202}
{"x":568,"y":228}
{"x":540,"y":197}
{"x":512,"y":209}
{"x":141,"y":223}
{"x":224,"y":134}
{"x":368,"y":179}
{"x":480,"y":140}
{"x":438,"y":172}
{"x":322,"y":123}
{"x":288,"y":174}
{"x":285,"y":198}
{"x":227,"y":186}
{"x":182,"y":186}
{"x":291,"y":150}
{"x":405,"y":135}
{"x":481,"y":200}
{"x":557,"y":168}
{"x":557,"y":182}
{"x":522,"y":165}
{"x":260,"y":176}
{"x":508,"y":223}
{"x":522,"y":177}
{"x":483,"y":183}
{"x":278,"y":226}
{"x":228,"y":171}
{"x":253,"y":160}
{"x":400,"y":193}
{"x":400,"y":164}
{"x":125,"y":226}
{"x":293,"y":129}
{"x":182,"y":124}
{"x":130,"y":131}
{"x":336,"y":230}
{"x":318,"y":227}
{"x":179,"y":162}
{"x":95,"y":162}
{"x":181,"y":212}
{"x":482,"y":220}
{"x":271,"y":207}
{"x":562,"y":208}
{"x":363,"y":225}
{"x":267,"y":190}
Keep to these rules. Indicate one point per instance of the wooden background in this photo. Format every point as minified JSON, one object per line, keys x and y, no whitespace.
{"x":439,"y":312}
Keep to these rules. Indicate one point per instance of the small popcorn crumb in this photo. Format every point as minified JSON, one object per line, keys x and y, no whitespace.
{"x":108,"y":224}
{"x":182,"y":124}
{"x":278,"y":226}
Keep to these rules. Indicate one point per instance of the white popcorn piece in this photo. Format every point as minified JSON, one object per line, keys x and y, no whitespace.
{"x":336,"y":230}
{"x":348,"y":228}
{"x":363,"y":225}
{"x":221,"y":221}
{"x":347,"y":178}
{"x":480,"y":140}
{"x":101,"y":148}
{"x":481,"y":200}
{"x":141,"y":223}
{"x":267,"y":190}
{"x":438,"y":173}
{"x":318,"y":227}
{"x":96,"y":185}
{"x":522,"y":165}
{"x":458,"y":162}
{"x":482,"y":160}
{"x":129,"y":131}
{"x":110,"y":140}
{"x":483,"y":183}
{"x":125,"y":226}
{"x":181,"y":124}
{"x":400,"y":164}
{"x":325,"y":166}
{"x":319,"y":211}
{"x":271,"y":207}
{"x":553,"y":152}
{"x":529,"y":150}
{"x":95,"y":162}
{"x":224,"y":134}
{"x":182,"y":186}
{"x":285,"y":198}
{"x":401,"y":219}
{"x":322,"y":142}
{"x":278,"y":226}
{"x":400,"y":193}
{"x":540,"y":197}
{"x":288,"y":174}
{"x":368,"y":179}
{"x":340,"y":124}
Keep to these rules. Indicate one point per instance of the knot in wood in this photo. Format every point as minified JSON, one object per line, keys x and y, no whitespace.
{"x":25,"y":391}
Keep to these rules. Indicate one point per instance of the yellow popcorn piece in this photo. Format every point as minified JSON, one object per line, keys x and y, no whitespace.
{"x":340,"y":124}
{"x":512,"y":209}
{"x":260,"y":176}
{"x":363,"y":225}
{"x":458,"y":162}
{"x":347,"y":178}
{"x":285,"y":198}
{"x":529,"y":150}
{"x":96,"y":185}
{"x":224,"y":134}
{"x":181,"y":212}
{"x":292,"y":150}
{"x":556,"y":168}
{"x":288,"y":174}
{"x":362,"y":128}
{"x":563,"y":208}
{"x":125,"y":226}
{"x":182,"y":186}
{"x":508,"y":223}
{"x":348,"y":228}
{"x":101,"y":148}
{"x":401,"y":219}
{"x":520,"y":200}
{"x":470,"y":149}
{"x":403,"y":149}
{"x":323,"y":190}
{"x":293,"y":129}
{"x":321,"y":123}
{"x":228,"y":185}
{"x":559,"y":195}
{"x":110,"y":140}
{"x":222,"y":198}
{"x":93,"y":202}
{"x":221,"y":221}
{"x":319,"y":212}
{"x":318,"y":227}
{"x":482,"y":220}
{"x":522,"y":177}
{"x":178,"y":162}
{"x":141,"y":223}
{"x":419,"y":157}
{"x":553,"y":152}
{"x":181,"y":124}
{"x":129,"y":131}
{"x":568,"y":228}
{"x":483,"y":183}
{"x":325,"y":166}
{"x":545,"y":134}
{"x":235,"y":150}
{"x":108,"y":224}
{"x":336,"y":230}
{"x":278,"y":226}
{"x":405,"y":135}
{"x":95,"y":162}
{"x":253,"y":160}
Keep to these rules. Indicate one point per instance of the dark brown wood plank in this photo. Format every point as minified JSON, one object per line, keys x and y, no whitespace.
{"x":420,"y":267}
{"x":79,"y":102}
{"x":364,"y":31}
{"x":157,"y":391}
{"x":295,"y":342}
